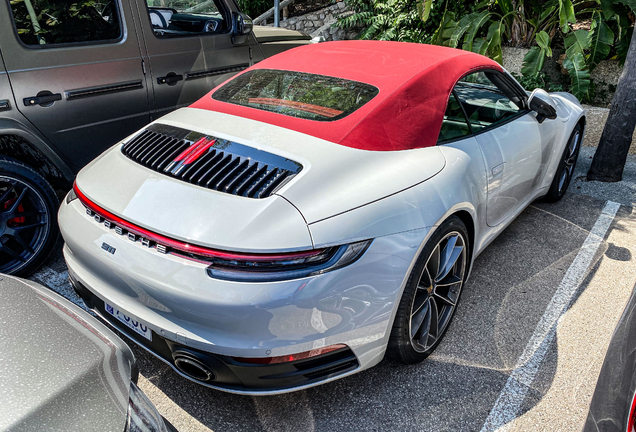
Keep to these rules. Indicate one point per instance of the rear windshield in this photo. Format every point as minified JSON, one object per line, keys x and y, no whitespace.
{"x":296,"y":94}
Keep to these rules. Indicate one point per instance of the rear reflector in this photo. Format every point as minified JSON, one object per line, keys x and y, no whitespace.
{"x":291,"y":357}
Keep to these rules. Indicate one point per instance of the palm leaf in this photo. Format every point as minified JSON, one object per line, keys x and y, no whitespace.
{"x":579,"y":75}
{"x":576,"y":43}
{"x":480,"y":46}
{"x":601,"y":41}
{"x":543,"y":40}
{"x":424,"y":9}
{"x":475,"y":25}
{"x":445,"y":30}
{"x":462,"y":27}
{"x":533,"y":62}
{"x":629,"y":3}
{"x":494,"y":42}
{"x":566,"y":15}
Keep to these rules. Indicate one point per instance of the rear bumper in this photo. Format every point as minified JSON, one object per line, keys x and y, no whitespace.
{"x":229,"y":374}
{"x":216,"y":320}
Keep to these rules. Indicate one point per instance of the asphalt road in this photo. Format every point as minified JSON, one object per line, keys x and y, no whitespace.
{"x":523,"y":352}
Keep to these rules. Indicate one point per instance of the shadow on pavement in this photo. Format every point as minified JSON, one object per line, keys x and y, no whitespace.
{"x":510,"y":287}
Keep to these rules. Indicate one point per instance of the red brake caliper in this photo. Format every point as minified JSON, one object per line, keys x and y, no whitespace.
{"x":16,"y":220}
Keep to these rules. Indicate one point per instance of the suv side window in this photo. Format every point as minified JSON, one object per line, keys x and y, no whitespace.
{"x":48,"y":22}
{"x":174,"y":18}
{"x":485,"y":104}
{"x":454,"y":124}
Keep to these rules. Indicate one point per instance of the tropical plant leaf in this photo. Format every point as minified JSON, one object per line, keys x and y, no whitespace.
{"x":462,"y":27}
{"x":445,"y":30}
{"x":579,"y":75}
{"x":533,"y":62}
{"x":494,"y":42}
{"x":576,"y":43}
{"x":546,"y":13}
{"x":475,"y":25}
{"x":505,"y":5}
{"x":543,"y":40}
{"x":480,"y":46}
{"x":601,"y":41}
{"x":566,"y":15}
{"x":623,"y":47}
{"x":629,"y":3}
{"x":608,"y":10}
{"x":424,"y":9}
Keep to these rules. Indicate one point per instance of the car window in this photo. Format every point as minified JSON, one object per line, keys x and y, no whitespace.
{"x":484,"y":103}
{"x":296,"y":94}
{"x":176,"y":18}
{"x":454,"y":124}
{"x":54,"y":22}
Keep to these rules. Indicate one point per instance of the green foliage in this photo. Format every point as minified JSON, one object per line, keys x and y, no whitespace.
{"x":533,"y":62}
{"x":254,"y":8}
{"x":404,"y":20}
{"x":579,"y":74}
{"x":540,"y":80}
{"x":566,"y":15}
{"x":609,"y":33}
{"x":483,"y":27}
{"x":56,"y":22}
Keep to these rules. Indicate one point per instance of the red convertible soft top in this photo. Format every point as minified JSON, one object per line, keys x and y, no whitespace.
{"x":415,"y":81}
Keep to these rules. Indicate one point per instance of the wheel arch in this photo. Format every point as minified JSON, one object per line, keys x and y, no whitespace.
{"x":22,"y":145}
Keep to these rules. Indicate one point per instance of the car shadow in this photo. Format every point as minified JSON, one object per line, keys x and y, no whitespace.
{"x":511,"y":285}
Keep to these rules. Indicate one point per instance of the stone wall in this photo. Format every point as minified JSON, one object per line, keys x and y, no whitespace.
{"x":320,"y":23}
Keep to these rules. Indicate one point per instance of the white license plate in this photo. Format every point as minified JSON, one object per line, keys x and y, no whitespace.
{"x":130,"y":322}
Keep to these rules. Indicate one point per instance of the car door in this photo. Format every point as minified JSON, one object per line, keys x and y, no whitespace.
{"x":76,"y":72}
{"x":189,"y":49}
{"x":6,"y":97}
{"x":510,"y":140}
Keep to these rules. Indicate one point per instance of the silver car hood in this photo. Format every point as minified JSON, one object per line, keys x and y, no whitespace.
{"x":334,"y":179}
{"x":60,"y":369}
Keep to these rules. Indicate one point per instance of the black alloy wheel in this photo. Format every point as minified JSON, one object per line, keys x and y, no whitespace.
{"x":28,"y":222}
{"x":565,"y":170}
{"x":431,"y":294}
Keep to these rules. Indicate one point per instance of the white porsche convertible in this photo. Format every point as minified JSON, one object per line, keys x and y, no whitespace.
{"x":316,"y":211}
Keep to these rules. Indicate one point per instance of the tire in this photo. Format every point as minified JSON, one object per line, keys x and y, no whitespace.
{"x":28,"y":218}
{"x":433,"y":300}
{"x":567,"y":164}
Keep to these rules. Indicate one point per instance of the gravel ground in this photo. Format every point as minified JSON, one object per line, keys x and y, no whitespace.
{"x":511,"y":290}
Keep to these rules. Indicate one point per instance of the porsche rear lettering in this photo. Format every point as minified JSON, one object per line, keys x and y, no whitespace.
{"x":123,"y":232}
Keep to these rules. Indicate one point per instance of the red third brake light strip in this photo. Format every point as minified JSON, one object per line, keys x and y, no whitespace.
{"x":198,"y":151}
{"x":186,"y":247}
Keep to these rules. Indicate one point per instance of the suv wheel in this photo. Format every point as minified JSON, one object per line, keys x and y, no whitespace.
{"x":28,"y":218}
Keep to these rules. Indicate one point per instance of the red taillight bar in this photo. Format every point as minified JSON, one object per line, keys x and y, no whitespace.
{"x":290,"y":357}
{"x":631,"y":420}
{"x":187,"y":247}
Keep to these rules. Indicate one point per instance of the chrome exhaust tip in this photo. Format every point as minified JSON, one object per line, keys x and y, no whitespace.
{"x":189,"y":365}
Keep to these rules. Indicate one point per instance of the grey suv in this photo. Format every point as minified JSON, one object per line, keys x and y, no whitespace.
{"x":76,"y":76}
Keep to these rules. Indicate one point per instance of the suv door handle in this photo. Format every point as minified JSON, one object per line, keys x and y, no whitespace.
{"x":170,"y":79}
{"x":42,"y":99}
{"x":5,"y":105}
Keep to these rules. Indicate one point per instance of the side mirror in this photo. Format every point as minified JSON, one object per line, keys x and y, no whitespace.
{"x":241,"y":27}
{"x":541,"y":102}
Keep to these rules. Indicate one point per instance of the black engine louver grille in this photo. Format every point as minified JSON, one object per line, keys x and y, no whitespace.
{"x":210,"y":162}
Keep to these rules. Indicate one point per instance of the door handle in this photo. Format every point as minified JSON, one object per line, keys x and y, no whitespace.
{"x":5,"y":105}
{"x":498,"y":169}
{"x":170,"y":79}
{"x":44,"y":98}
